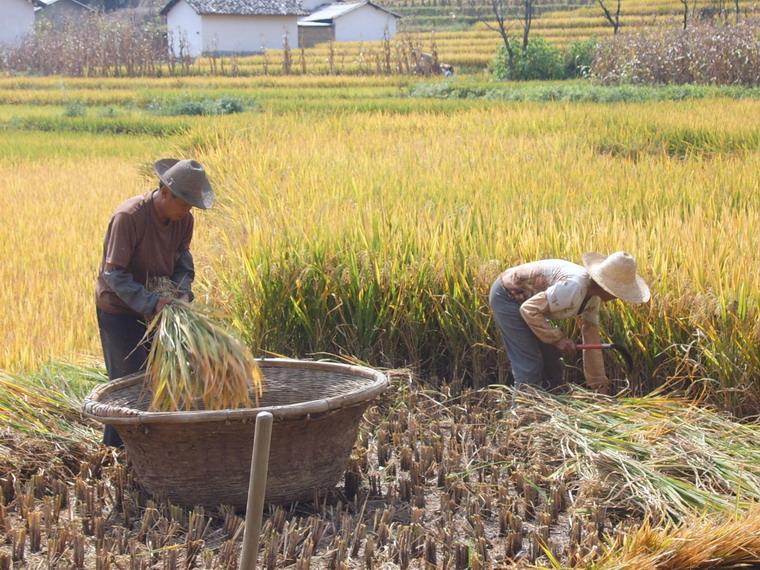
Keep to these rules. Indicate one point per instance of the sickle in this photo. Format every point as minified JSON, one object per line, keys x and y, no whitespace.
{"x":611,"y":346}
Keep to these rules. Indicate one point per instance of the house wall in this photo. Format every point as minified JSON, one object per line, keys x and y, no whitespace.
{"x":364,"y":24}
{"x":16,"y":21}
{"x":248,"y":34}
{"x":184,"y":25}
{"x":309,"y":36}
{"x":61,"y":11}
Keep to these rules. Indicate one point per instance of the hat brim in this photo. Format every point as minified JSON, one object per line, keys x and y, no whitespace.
{"x":207,"y":193}
{"x":634,"y":293}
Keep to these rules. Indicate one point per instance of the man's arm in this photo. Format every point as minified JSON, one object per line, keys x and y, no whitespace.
{"x":184,"y":268}
{"x":134,"y":294}
{"x":593,"y":363}
{"x":122,"y":240}
{"x":534,"y":312}
{"x":184,"y":274}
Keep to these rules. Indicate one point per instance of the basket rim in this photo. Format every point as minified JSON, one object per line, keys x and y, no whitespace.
{"x":95,"y":409}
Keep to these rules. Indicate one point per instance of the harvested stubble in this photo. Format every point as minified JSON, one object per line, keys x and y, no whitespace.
{"x":460,"y":480}
{"x":193,"y":362}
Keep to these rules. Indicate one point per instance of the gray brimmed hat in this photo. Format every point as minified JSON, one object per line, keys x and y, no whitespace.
{"x":616,"y":274}
{"x":187,"y":180}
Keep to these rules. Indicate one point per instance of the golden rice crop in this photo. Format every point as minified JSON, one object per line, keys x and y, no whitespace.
{"x":394,"y":261}
{"x":194,"y":363}
{"x":440,"y":198}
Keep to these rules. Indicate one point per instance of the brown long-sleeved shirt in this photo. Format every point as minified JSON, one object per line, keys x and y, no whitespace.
{"x":557,"y":289}
{"x":143,"y":249}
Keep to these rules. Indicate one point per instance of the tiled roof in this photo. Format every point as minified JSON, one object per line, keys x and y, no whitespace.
{"x":243,"y":7}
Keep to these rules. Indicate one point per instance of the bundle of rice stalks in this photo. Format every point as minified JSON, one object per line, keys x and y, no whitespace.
{"x":194,"y":363}
{"x":660,"y":456}
{"x":47,"y":404}
{"x":704,"y":543}
{"x":40,"y":423}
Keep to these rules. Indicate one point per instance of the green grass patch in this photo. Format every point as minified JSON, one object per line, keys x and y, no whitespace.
{"x":193,"y":106}
{"x":683,"y":142}
{"x":576,"y":91}
{"x":21,"y":146}
{"x":100,"y":125}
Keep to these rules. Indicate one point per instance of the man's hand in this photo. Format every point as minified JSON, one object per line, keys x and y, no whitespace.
{"x":600,"y":385}
{"x":185,"y":297}
{"x":565,"y":346}
{"x":162,"y":302}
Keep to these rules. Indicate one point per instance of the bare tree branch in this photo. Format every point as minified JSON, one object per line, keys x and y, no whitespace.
{"x":614,"y":21}
{"x":499,"y":13}
{"x":527,"y":21}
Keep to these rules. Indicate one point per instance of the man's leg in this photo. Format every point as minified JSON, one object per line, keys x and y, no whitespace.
{"x":523,"y":348}
{"x":124,"y":353}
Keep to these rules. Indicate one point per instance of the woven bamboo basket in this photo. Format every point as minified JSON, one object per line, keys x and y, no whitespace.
{"x":203,"y":457}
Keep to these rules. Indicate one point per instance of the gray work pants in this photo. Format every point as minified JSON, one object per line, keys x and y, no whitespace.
{"x":533,"y":362}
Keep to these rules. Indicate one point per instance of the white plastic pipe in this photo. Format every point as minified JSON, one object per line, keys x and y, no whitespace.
{"x":257,"y":486}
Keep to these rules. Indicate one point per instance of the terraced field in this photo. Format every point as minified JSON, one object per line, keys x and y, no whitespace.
{"x":458,"y":37}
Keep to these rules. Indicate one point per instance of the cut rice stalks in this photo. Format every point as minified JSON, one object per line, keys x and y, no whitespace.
{"x":662,"y":457}
{"x":41,"y":427}
{"x":713,"y":543}
{"x":195,"y":364}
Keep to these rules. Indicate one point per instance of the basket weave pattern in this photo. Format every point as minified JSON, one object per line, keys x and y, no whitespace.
{"x":203,"y":457}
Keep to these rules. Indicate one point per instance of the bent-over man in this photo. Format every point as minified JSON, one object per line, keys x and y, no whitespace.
{"x":147,"y":241}
{"x":526,"y":297}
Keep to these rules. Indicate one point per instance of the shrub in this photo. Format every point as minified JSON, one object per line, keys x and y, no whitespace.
{"x":539,"y":60}
{"x":75,"y":110}
{"x":228,"y":106}
{"x":119,"y":44}
{"x":188,"y":106}
{"x":719,"y":55}
{"x":579,"y":56}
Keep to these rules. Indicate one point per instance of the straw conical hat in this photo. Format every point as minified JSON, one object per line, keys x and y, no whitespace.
{"x":616,"y":274}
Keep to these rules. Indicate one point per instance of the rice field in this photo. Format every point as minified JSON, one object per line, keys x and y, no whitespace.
{"x":438,"y":194}
{"x":361,"y":221}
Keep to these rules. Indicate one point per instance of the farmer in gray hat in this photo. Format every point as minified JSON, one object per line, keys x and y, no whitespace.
{"x":147,"y":242}
{"x":526,"y":298}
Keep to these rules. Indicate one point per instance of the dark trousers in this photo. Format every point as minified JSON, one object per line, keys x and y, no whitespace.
{"x":124,"y":353}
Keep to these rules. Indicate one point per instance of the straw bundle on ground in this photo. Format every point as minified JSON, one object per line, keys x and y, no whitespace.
{"x":701,"y":544}
{"x":194,"y":363}
{"x":662,"y":456}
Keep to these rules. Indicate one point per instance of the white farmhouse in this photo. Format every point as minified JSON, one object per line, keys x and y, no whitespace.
{"x":346,"y":22}
{"x":16,"y":21}
{"x":199,"y":27}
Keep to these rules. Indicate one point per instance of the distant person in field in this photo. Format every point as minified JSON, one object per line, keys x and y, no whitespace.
{"x":147,"y":242}
{"x":526,"y":297}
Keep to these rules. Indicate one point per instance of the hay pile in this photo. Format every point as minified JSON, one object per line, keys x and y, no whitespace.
{"x":658,"y":456}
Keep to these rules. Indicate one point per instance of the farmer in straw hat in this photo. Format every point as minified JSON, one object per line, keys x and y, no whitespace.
{"x":524,"y":299}
{"x":147,"y":242}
